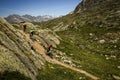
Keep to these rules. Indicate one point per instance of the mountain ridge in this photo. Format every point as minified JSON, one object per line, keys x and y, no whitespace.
{"x":14,"y":18}
{"x":93,"y":5}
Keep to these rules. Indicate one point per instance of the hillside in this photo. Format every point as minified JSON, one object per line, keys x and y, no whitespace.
{"x":90,"y":37}
{"x":22,"y":58}
{"x":85,"y":45}
{"x":16,"y":54}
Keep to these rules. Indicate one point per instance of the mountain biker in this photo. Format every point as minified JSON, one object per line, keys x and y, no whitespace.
{"x":48,"y":49}
{"x":32,"y":32}
{"x":24,"y":27}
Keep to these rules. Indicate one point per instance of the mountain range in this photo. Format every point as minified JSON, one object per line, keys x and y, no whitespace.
{"x":28,"y":18}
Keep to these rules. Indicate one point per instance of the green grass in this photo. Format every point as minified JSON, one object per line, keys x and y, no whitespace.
{"x":90,"y":58}
{"x":57,"y":72}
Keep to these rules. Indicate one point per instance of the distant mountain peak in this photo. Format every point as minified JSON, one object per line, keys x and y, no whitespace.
{"x":17,"y":18}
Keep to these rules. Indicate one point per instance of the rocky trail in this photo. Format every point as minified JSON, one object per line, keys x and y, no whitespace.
{"x":41,"y":50}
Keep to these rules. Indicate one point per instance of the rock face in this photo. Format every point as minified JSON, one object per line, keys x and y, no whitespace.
{"x":47,"y":36}
{"x":95,"y":5}
{"x":101,"y":13}
{"x":85,"y":4}
{"x":16,"y":53}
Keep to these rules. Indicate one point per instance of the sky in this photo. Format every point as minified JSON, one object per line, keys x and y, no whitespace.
{"x":37,"y":7}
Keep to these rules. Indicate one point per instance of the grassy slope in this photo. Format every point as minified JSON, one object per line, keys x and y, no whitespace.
{"x":56,"y":72}
{"x":92,"y":58}
{"x":104,"y":25}
{"x":89,"y":58}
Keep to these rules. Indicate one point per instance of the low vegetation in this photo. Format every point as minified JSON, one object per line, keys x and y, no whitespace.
{"x":56,"y":72}
{"x":92,"y":56}
{"x":14,"y":75}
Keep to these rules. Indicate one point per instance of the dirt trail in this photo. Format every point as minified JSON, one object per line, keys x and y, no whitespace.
{"x":41,"y":50}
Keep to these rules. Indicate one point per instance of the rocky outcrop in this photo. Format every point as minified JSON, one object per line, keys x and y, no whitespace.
{"x":60,"y":27}
{"x":85,"y":4}
{"x":16,"y":53}
{"x":101,"y":13}
{"x":18,"y":50}
{"x":97,"y":5}
{"x":47,"y":36}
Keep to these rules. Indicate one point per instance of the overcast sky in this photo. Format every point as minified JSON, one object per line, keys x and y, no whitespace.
{"x":37,"y":7}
